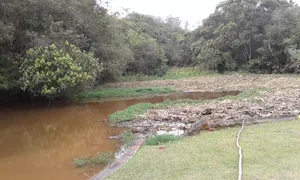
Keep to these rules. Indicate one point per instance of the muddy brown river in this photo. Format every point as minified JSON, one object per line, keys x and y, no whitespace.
{"x":39,"y":142}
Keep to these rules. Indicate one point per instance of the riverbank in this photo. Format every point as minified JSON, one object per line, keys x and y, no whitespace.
{"x":263,"y":96}
{"x":101,"y":93}
{"x":218,"y":113}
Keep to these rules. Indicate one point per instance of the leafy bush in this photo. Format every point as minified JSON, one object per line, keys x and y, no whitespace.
{"x":50,"y":72}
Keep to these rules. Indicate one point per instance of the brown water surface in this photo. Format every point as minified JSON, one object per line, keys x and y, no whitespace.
{"x":39,"y":142}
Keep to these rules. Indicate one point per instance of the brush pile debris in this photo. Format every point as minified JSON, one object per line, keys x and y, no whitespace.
{"x":190,"y":119}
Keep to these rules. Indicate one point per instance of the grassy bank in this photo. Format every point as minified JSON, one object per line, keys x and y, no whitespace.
{"x":139,"y":109}
{"x":270,"y":151}
{"x":173,"y":73}
{"x":121,"y":92}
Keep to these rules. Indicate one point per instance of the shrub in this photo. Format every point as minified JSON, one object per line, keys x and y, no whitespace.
{"x":50,"y":72}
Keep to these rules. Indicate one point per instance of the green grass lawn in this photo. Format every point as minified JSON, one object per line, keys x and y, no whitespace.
{"x":271,"y":151}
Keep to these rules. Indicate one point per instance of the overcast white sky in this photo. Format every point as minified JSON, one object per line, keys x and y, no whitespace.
{"x":193,"y":11}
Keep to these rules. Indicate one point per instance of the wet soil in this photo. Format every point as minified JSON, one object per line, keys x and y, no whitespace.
{"x":178,"y":120}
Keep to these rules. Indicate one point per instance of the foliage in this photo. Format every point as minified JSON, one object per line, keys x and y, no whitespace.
{"x":136,"y":44}
{"x":259,"y":36}
{"x":166,"y":33}
{"x":50,"y":72}
{"x":161,"y":139}
{"x":122,"y":92}
{"x":31,"y":24}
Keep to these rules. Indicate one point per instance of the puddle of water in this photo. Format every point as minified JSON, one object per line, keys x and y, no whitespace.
{"x":39,"y":142}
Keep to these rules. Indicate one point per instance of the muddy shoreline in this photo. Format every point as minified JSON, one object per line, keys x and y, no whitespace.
{"x":279,"y":96}
{"x":179,"y":120}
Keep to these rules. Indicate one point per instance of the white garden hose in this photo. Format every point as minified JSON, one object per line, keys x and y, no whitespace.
{"x":240,"y":152}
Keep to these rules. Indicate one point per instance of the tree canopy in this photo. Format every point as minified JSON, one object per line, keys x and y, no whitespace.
{"x":255,"y":35}
{"x":261,"y":36}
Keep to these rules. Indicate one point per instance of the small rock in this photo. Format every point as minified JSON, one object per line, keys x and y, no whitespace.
{"x":112,"y":137}
{"x":296,"y":112}
{"x":207,"y":111}
{"x":137,"y":129}
{"x":191,"y":121}
{"x":177,"y":132}
{"x":162,"y":148}
{"x":161,"y":132}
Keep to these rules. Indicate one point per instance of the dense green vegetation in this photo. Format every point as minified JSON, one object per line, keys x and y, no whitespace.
{"x":256,"y":35}
{"x":270,"y":151}
{"x":121,"y":92}
{"x":49,"y":72}
{"x":261,"y":36}
{"x":136,"y":44}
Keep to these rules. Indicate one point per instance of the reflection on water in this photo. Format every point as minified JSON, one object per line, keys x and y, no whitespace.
{"x":40,"y":141}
